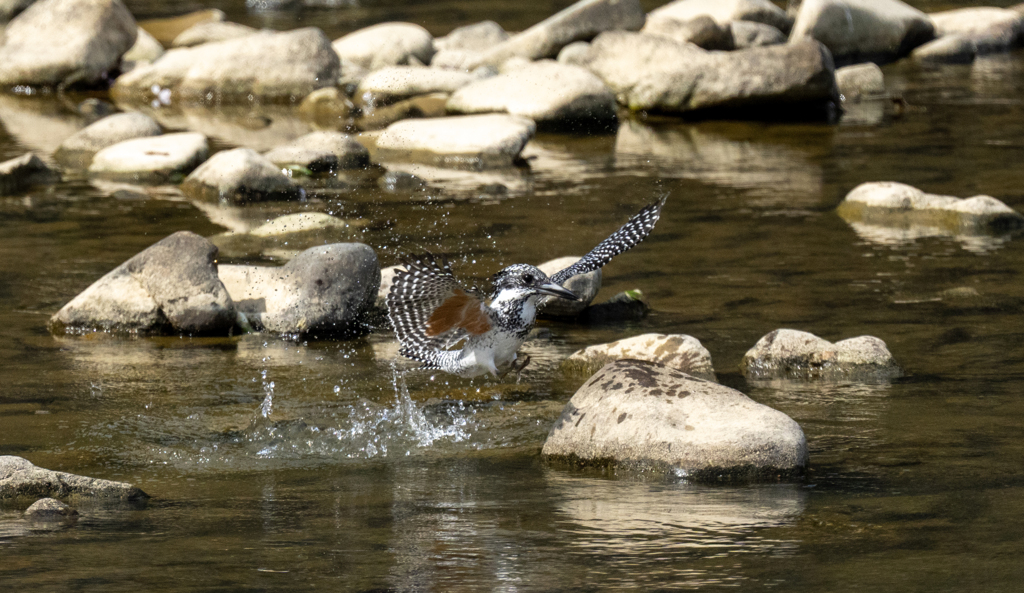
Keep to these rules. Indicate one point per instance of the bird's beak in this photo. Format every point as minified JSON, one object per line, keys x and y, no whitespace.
{"x":555,"y":290}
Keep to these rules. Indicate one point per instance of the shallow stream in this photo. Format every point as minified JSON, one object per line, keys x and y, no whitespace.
{"x":276,"y":465}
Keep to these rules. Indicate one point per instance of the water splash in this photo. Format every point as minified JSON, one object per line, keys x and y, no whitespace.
{"x":268,"y":399}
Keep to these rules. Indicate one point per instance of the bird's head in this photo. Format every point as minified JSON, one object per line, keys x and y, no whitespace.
{"x":522,"y":281}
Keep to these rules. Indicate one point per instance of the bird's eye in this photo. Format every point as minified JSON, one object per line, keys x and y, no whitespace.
{"x":528,"y":278}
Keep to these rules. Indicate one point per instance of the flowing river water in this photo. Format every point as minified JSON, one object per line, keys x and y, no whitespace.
{"x":276,"y":465}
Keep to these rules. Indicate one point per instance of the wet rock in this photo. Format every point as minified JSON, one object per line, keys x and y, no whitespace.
{"x":701,"y":31}
{"x":211,"y":31}
{"x":863,"y":30}
{"x":12,"y":8}
{"x":628,"y":305}
{"x":643,"y":414}
{"x":153,"y":159}
{"x":322,"y":292}
{"x":951,"y":49}
{"x":860,"y":81}
{"x":239,"y":175}
{"x":49,"y":509}
{"x":65,"y":42}
{"x":172,"y":286}
{"x":898,"y":205}
{"x":19,"y":477}
{"x":266,"y":65}
{"x":547,"y":92}
{"x":401,"y":181}
{"x":575,"y":54}
{"x":476,"y":37}
{"x":580,"y":22}
{"x":649,"y":72}
{"x":321,"y":152}
{"x":78,"y":150}
{"x":750,"y":34}
{"x":585,"y":286}
{"x":725,"y":12}
{"x":146,"y":48}
{"x":471,"y":141}
{"x":394,"y":83}
{"x":166,"y":29}
{"x":23,"y":172}
{"x":386,"y":44}
{"x":677,"y":351}
{"x":423,"y":106}
{"x":328,"y":107}
{"x":989,"y":29}
{"x":793,"y":354}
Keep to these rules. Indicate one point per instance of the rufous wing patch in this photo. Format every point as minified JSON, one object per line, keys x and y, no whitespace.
{"x":459,"y":310}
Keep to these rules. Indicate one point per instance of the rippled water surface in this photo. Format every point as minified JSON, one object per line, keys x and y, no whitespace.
{"x":276,"y":465}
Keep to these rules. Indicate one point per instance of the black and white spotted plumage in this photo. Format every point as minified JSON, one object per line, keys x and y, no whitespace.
{"x":431,"y":312}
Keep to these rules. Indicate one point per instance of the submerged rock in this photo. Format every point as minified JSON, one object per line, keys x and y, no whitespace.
{"x":152,"y":159}
{"x":171,"y":287}
{"x":386,"y":44}
{"x":860,"y":81}
{"x":267,"y":65}
{"x":65,"y":42}
{"x":323,"y":292}
{"x":50,"y":509}
{"x":579,"y":22}
{"x":321,"y":152}
{"x":285,"y":236}
{"x":240,"y":175}
{"x":724,"y":12}
{"x":677,"y":351}
{"x":211,"y":31}
{"x":19,"y":477}
{"x":585,"y":286}
{"x":894,"y":204}
{"x":470,"y":141}
{"x":649,"y":72}
{"x":394,"y":83}
{"x":547,"y":92}
{"x":643,"y":414}
{"x":78,"y":150}
{"x":863,"y":30}
{"x":793,"y":354}
{"x":23,"y":172}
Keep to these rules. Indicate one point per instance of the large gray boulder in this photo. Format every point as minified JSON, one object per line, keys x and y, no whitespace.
{"x":585,"y":286}
{"x":78,"y":150}
{"x":171,"y":287}
{"x":899,"y":205}
{"x":677,"y":351}
{"x":23,"y":172}
{"x":240,"y":175}
{"x":794,"y":354}
{"x":65,"y":42}
{"x":989,"y":29}
{"x":323,"y":292}
{"x":547,"y":92}
{"x":386,"y":44}
{"x":724,"y":12}
{"x":151,"y":159}
{"x":321,"y":152}
{"x":267,"y":65}
{"x":862,"y":30}
{"x":470,"y":141}
{"x":393,"y":83}
{"x":643,"y":414}
{"x":580,"y":22}
{"x":649,"y":72}
{"x":19,"y":477}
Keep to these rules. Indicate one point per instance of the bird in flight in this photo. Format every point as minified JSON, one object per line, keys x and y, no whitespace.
{"x":432,"y":313}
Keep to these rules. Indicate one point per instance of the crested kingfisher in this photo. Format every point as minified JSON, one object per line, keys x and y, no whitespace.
{"x":432,"y":313}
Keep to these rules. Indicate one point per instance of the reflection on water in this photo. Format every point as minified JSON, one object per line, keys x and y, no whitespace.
{"x":38,"y":123}
{"x":901,"y":236}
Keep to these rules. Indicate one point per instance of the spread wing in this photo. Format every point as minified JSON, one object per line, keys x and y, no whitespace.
{"x":430,"y":310}
{"x":631,"y":233}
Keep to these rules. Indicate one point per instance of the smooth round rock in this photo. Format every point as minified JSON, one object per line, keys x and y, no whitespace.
{"x":637,"y":413}
{"x":860,"y":81}
{"x":239,"y":176}
{"x":386,"y":44}
{"x":78,"y":150}
{"x":990,"y":29}
{"x":65,"y":42}
{"x":472,"y":141}
{"x":476,"y":37}
{"x":750,"y":34}
{"x":153,"y":159}
{"x":701,"y":31}
{"x":50,"y":509}
{"x":585,"y":286}
{"x":320,"y":152}
{"x":677,"y":351}
{"x":794,"y":354}
{"x":950,"y":49}
{"x":327,"y":106}
{"x":286,"y":236}
{"x":210,"y":31}
{"x":863,"y":30}
{"x":393,"y":83}
{"x":725,"y":12}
